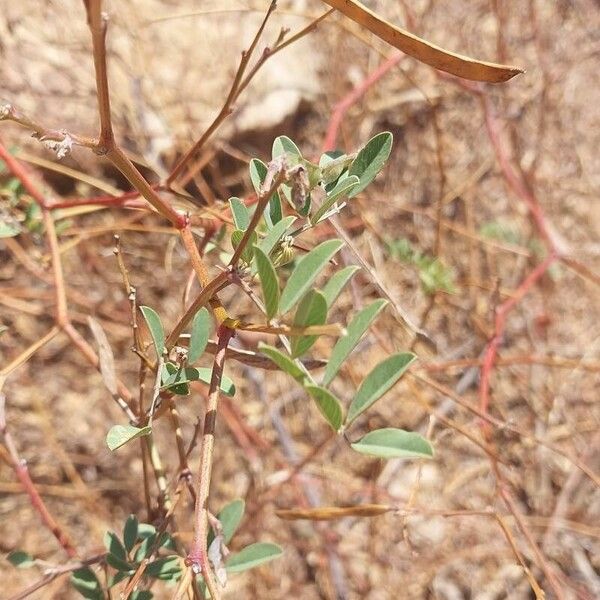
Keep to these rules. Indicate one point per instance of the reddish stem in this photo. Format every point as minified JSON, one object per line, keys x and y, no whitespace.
{"x":491,"y":351}
{"x":21,"y":173}
{"x":22,"y":472}
{"x":341,"y":108}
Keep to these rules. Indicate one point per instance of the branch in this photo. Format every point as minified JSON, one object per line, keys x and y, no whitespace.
{"x":22,"y":472}
{"x":58,"y":140}
{"x":227,"y":106}
{"x":98,"y":24}
{"x":198,"y":555}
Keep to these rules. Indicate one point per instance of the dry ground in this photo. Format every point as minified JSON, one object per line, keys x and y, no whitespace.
{"x":169,"y":77}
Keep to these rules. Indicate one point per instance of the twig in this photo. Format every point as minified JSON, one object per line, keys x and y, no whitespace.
{"x":227,"y":106}
{"x":52,"y":573}
{"x":198,"y":557}
{"x":203,"y":298}
{"x":342,"y":107}
{"x":98,"y":24}
{"x":500,"y":324}
{"x":63,"y":139}
{"x":263,"y":199}
{"x":22,"y":472}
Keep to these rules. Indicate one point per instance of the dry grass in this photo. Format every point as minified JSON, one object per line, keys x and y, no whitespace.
{"x":168,"y":79}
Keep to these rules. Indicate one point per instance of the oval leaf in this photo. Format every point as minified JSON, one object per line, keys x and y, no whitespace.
{"x":333,"y":288}
{"x":130,"y":532}
{"x":328,"y":404}
{"x":87,"y":584}
{"x":258,"y":173}
{"x":119,"y":435}
{"x":394,"y":443}
{"x":204,"y":374}
{"x":253,"y":556}
{"x":370,"y":160}
{"x":200,"y":333}
{"x":240,"y":214}
{"x":378,"y":382}
{"x":306,"y":271}
{"x":165,"y":568}
{"x":275,"y":234}
{"x":268,"y":282}
{"x":114,"y":546}
{"x":236,"y":237}
{"x":156,"y":329}
{"x":20,"y":559}
{"x":230,"y":518}
{"x":283,"y":145}
{"x":284,"y":362}
{"x":344,"y":346}
{"x":343,"y":188}
{"x":312,"y":310}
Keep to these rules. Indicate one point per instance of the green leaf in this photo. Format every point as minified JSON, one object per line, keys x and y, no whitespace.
{"x":240,"y":214}
{"x":306,"y":271}
{"x":156,"y":329}
{"x":145,"y":530}
{"x":344,"y":346}
{"x":275,"y":211}
{"x":253,"y":556}
{"x":275,"y":234}
{"x":117,"y":578}
{"x":119,"y":435}
{"x":199,"y":336}
{"x":175,"y":379}
{"x":145,"y":548}
{"x":9,"y":229}
{"x":230,"y":518}
{"x":284,"y":362}
{"x":248,"y":252}
{"x":114,"y":546}
{"x":333,"y":288}
{"x":343,"y":188}
{"x":20,"y":559}
{"x":165,"y":568}
{"x":87,"y":584}
{"x":130,"y":532}
{"x":149,"y":536}
{"x":378,"y":382}
{"x":205,"y":373}
{"x":258,"y":172}
{"x":284,"y":145}
{"x":268,"y":282}
{"x":312,"y":310}
{"x":394,"y":443}
{"x":120,"y":565}
{"x":370,"y":160}
{"x":328,"y":404}
{"x":332,"y":165}
{"x":141,"y":595}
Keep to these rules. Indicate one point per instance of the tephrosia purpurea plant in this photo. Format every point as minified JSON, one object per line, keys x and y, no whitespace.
{"x":259,"y":245}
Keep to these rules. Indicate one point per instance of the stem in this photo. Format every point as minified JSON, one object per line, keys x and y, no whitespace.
{"x":201,"y":272}
{"x":97,"y":22}
{"x":261,"y":204}
{"x":202,"y":299}
{"x":62,"y":317}
{"x":22,"y":472}
{"x":198,"y":557}
{"x":128,"y":169}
